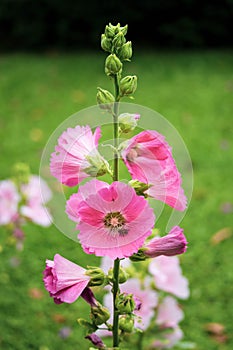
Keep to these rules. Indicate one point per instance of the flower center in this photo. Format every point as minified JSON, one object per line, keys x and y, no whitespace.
{"x":115,"y":222}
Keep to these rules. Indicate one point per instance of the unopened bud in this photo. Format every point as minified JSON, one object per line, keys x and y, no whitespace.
{"x":105,"y":99}
{"x":128,"y":122}
{"x":98,"y":166}
{"x":110,"y":31}
{"x":140,"y":187}
{"x":125,"y":52}
{"x":124,"y":29}
{"x":106,"y":43}
{"x":125,"y":303}
{"x":119,"y":40}
{"x":97,"y":276}
{"x":128,"y":85}
{"x":126,"y":323}
{"x":112,"y":65}
{"x":99,"y":314}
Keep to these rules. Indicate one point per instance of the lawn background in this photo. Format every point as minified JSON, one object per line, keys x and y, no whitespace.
{"x":194,"y":91}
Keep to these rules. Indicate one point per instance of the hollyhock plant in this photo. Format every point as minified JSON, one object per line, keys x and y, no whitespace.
{"x":64,"y":280}
{"x":112,"y":219}
{"x":9,"y":199}
{"x":76,"y":156}
{"x":168,"y":276}
{"x":149,"y":159}
{"x":173,"y":243}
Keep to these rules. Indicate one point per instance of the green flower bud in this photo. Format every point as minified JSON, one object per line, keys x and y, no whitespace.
{"x":128,"y":122}
{"x":97,"y":276}
{"x":118,"y":40}
{"x":89,"y":326}
{"x":140,"y":187}
{"x":125,"y":52}
{"x":105,"y":99}
{"x":99,"y":314}
{"x":106,"y":43}
{"x":126,"y":323}
{"x":125,"y":303}
{"x":123,"y":276}
{"x":98,"y":165}
{"x":124,"y":29}
{"x":139,"y":256}
{"x":112,"y":65}
{"x":110,"y":31}
{"x":128,"y":85}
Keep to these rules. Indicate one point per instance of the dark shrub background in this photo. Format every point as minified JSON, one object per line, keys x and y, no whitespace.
{"x":70,"y":24}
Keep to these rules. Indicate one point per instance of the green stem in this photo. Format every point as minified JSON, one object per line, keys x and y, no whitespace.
{"x":115,"y":178}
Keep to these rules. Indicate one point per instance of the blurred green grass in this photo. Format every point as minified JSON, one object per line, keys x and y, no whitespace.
{"x":194,"y":91}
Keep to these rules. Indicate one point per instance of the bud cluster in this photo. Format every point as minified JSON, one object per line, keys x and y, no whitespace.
{"x":114,"y":42}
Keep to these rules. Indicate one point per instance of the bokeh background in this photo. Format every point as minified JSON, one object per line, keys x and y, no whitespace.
{"x":50,"y":65}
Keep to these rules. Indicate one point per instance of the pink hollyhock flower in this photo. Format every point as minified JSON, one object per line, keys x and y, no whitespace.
{"x":64,"y":280}
{"x":34,"y":208}
{"x":172,"y":244}
{"x":169,"y":313}
{"x":76,"y":156}
{"x":113,"y":221}
{"x":168,"y":276}
{"x":9,"y":199}
{"x":170,"y":339}
{"x":149,"y":159}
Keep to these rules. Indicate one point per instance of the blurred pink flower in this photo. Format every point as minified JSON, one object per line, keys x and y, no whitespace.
{"x":113,"y":221}
{"x":64,"y":280}
{"x":34,"y":208}
{"x":169,"y":313}
{"x":76,"y":156}
{"x":149,"y":159}
{"x":170,"y":339}
{"x":9,"y":199}
{"x":168,"y":276}
{"x":172,"y":244}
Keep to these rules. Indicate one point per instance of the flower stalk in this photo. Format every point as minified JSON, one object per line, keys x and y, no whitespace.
{"x":116,"y":267}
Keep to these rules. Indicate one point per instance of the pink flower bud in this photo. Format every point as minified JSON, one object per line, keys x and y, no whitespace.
{"x":173,"y":243}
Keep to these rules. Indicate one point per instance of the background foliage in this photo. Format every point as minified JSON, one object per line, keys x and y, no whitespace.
{"x":193,"y":90}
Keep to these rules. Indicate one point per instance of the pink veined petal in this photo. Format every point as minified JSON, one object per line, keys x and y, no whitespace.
{"x":72,"y":293}
{"x":96,"y":235}
{"x":148,"y":158}
{"x":68,"y":273}
{"x":70,"y":160}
